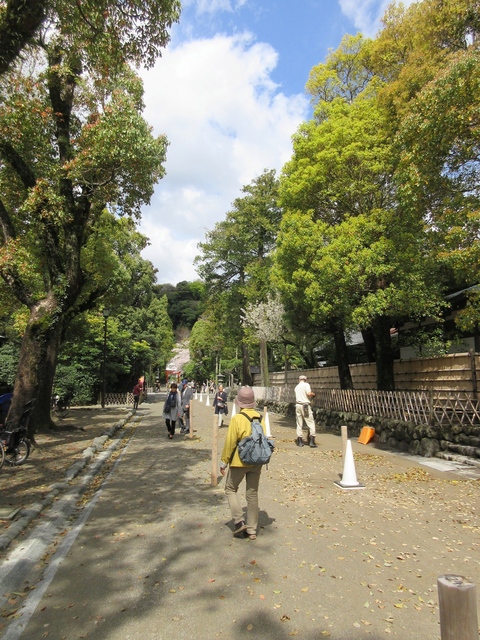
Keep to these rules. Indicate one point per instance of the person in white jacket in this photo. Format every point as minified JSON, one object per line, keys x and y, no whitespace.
{"x":303,"y":411}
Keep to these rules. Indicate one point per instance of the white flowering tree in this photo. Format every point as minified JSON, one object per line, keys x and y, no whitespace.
{"x":265,"y":321}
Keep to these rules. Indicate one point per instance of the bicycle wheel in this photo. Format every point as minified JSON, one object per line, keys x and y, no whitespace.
{"x":18,"y":455}
{"x":61,"y":412}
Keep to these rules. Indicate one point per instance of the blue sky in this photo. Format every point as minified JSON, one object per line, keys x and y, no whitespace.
{"x":229,"y":93}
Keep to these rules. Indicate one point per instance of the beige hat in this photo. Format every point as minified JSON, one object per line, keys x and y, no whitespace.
{"x":245,"y":398}
{"x":302,"y":377}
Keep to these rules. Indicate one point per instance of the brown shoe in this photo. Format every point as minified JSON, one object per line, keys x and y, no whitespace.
{"x":240,"y":528}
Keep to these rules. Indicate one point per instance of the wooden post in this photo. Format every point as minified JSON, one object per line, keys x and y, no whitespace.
{"x":214,"y":451}
{"x":344,"y":431}
{"x":430,"y":407}
{"x":458,"y":608}
{"x":474,"y":373}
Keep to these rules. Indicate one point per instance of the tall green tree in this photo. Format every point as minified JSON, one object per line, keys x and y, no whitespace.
{"x":345,"y":74}
{"x":72,"y":141}
{"x":341,"y":168}
{"x":431,"y":53}
{"x":235,"y":259}
{"x":340,"y":186}
{"x":439,"y":172}
{"x":139,"y":337}
{"x":186,"y":302}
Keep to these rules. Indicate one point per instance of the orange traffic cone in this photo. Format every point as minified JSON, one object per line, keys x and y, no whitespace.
{"x":366,"y":434}
{"x":349,"y":476}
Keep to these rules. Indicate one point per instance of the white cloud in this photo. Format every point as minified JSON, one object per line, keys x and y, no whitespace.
{"x":366,"y":15}
{"x":226,"y":122}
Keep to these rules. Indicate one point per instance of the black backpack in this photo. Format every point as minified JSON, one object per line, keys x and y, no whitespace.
{"x":257,"y":448}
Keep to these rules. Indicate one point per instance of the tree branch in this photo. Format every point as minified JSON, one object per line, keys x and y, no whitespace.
{"x":18,"y":287}
{"x":18,"y":164}
{"x":19,"y":21}
{"x":6,"y":223}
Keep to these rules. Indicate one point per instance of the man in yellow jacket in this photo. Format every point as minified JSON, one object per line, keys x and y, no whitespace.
{"x":240,"y":427}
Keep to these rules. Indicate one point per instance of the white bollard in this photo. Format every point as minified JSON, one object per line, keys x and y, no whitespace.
{"x":267,"y":423}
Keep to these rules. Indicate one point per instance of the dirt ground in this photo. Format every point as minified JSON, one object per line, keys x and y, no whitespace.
{"x":55,"y":452}
{"x":327,"y":563}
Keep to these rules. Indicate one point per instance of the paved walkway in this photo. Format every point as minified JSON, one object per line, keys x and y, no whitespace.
{"x":151,"y":555}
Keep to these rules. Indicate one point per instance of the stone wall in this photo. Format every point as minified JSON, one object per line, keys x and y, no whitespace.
{"x":424,"y":440}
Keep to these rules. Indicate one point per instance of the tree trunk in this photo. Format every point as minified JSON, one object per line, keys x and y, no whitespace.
{"x":341,"y":353}
{"x":246,"y":375}
{"x":369,"y":343}
{"x":264,"y":363}
{"x":36,"y":366}
{"x":384,"y":352}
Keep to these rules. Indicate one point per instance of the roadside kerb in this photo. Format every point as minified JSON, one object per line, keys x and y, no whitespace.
{"x":26,"y":515}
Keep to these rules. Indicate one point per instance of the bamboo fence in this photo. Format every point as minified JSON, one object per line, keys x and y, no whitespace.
{"x":441,"y":390}
{"x":418,"y":407}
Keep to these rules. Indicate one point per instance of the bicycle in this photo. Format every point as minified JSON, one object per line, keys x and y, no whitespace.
{"x":60,"y":406}
{"x":14,"y":443}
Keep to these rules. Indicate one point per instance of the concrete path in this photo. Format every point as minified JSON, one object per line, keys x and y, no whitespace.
{"x":151,"y":554}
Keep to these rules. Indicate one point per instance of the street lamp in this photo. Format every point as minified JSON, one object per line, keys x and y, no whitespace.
{"x":105,"y":313}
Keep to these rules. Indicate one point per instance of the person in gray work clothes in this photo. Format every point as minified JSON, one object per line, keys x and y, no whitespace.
{"x":303,"y":411}
{"x":187,"y":395}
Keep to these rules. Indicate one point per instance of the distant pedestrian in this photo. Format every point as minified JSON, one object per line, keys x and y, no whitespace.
{"x":220,"y":404}
{"x":240,"y":427}
{"x":303,"y":411}
{"x":172,"y":409}
{"x":137,"y":392}
{"x":187,"y":395}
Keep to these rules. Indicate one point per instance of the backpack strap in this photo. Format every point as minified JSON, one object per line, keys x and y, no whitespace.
{"x":259,"y":416}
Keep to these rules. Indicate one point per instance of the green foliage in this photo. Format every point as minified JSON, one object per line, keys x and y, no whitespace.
{"x":186,"y":302}
{"x":235,"y":260}
{"x":107,"y":31}
{"x":468,"y":319}
{"x":73,"y":143}
{"x":345,"y":73}
{"x":426,"y":342}
{"x":439,"y":171}
{"x":342,"y":164}
{"x":8,"y":363}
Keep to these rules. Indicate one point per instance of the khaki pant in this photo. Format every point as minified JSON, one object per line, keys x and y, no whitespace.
{"x":309,"y":421}
{"x":235,"y":476}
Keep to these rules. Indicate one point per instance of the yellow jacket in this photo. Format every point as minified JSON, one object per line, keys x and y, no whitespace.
{"x":240,"y":427}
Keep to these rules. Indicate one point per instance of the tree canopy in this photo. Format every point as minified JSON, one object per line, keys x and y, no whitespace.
{"x":73,"y":142}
